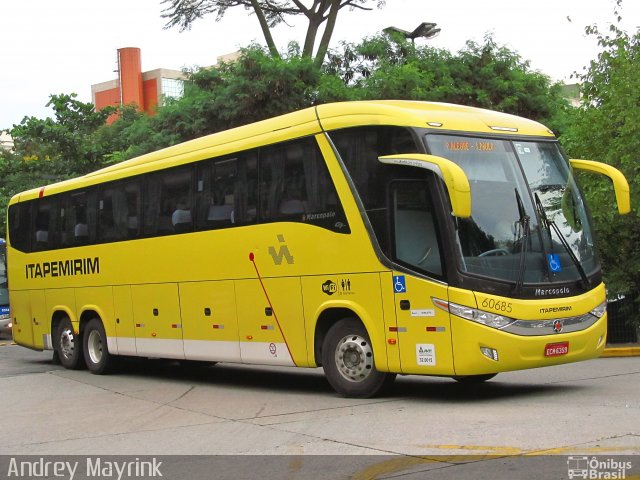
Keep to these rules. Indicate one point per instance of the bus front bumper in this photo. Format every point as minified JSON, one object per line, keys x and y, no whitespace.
{"x":478,"y":349}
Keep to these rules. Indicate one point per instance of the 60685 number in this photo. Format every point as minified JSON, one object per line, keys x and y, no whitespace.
{"x":497,"y":305}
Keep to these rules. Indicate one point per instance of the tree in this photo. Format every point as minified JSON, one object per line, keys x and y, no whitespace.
{"x":607,"y":128}
{"x":69,"y":138}
{"x":270,"y":13}
{"x":483,"y":75}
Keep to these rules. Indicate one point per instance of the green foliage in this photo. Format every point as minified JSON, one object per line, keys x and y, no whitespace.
{"x":483,"y":75}
{"x":607,"y":128}
{"x":69,"y":138}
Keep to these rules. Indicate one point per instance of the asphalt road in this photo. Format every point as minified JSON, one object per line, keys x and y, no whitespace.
{"x":423,"y":427}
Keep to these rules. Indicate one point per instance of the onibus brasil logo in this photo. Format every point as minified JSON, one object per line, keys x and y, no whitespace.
{"x":597,"y":468}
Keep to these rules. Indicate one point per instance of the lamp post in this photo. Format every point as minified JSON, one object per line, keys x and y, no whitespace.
{"x":425,"y":29}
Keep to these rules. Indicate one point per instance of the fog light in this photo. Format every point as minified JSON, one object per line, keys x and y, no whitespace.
{"x":489,"y":353}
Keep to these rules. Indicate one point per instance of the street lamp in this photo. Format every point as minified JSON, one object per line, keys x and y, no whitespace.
{"x":425,"y":29}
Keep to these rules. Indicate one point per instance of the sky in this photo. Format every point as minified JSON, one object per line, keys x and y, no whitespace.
{"x":64,"y":46}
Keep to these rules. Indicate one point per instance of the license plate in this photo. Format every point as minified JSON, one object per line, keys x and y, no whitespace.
{"x":556,"y":349}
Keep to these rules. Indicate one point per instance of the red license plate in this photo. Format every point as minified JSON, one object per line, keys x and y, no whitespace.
{"x":556,"y":349}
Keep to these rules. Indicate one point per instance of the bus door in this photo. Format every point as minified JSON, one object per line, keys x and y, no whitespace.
{"x":424,"y":331}
{"x":158,"y":326}
{"x":271,"y":321}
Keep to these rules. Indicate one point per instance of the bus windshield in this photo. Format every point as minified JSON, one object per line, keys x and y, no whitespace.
{"x":528,"y":221}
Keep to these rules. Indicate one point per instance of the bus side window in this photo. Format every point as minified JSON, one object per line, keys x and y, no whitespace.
{"x":168,"y":202}
{"x":215,"y":194}
{"x":20,"y":226}
{"x":131,"y":209}
{"x":118,"y":211}
{"x":44,"y":225}
{"x":279,"y":192}
{"x":296,"y":186}
{"x":74,"y":224}
{"x":226,"y":190}
{"x":245,"y":189}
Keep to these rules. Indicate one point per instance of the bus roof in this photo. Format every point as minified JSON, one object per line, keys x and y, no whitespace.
{"x":313,"y":120}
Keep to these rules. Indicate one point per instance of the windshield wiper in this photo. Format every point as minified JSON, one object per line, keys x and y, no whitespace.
{"x":549,"y":225}
{"x":524,"y":222}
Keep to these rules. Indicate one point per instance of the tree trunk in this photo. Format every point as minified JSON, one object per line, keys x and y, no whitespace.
{"x":310,"y":38}
{"x":266,"y":31}
{"x":328,"y":32}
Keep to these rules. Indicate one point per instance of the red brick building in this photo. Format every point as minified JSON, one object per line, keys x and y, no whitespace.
{"x":146,"y":90}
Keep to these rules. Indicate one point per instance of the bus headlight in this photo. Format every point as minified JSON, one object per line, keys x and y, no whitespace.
{"x":479,"y":316}
{"x":600,"y":310}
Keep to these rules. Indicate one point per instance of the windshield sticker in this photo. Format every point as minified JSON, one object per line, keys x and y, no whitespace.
{"x":399,"y":284}
{"x":554,"y":262}
{"x":522,"y":149}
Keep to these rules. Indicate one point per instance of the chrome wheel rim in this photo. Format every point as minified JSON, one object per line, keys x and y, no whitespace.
{"x":354,"y":358}
{"x":67,"y":342}
{"x":94,"y":346}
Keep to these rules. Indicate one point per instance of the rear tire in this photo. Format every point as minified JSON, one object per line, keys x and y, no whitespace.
{"x":68,"y":345}
{"x":96,"y":351}
{"x":348,"y":363}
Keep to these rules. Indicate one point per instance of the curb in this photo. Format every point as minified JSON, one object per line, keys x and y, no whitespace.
{"x":621,"y":352}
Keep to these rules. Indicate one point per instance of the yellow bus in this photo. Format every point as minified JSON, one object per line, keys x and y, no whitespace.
{"x":369,"y":238}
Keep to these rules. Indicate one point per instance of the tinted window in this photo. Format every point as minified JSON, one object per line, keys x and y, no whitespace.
{"x":284,"y":182}
{"x":295,"y":185}
{"x":227,"y":191}
{"x":168,"y":204}
{"x":20,"y":226}
{"x":44,"y":226}
{"x":118,"y":212}
{"x":74,"y":219}
{"x":359,"y":149}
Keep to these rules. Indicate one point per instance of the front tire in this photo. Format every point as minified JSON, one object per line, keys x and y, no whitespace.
{"x":96,"y":351}
{"x":348,"y":363}
{"x":68,"y":345}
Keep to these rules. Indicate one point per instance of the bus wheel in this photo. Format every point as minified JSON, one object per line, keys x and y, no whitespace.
{"x":474,"y":378}
{"x":68,"y":345}
{"x":347,"y":359}
{"x":96,"y":352}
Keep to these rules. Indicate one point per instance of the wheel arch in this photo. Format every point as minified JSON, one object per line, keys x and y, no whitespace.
{"x":61,"y":312}
{"x":87,"y":315}
{"x":331,"y":314}
{"x":89,"y":312}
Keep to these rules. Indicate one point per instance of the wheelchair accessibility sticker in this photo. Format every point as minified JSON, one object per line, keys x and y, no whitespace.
{"x":399,"y":284}
{"x":554,"y":262}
